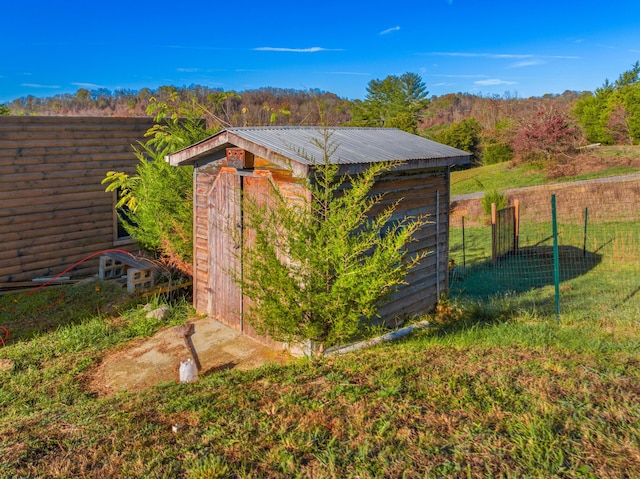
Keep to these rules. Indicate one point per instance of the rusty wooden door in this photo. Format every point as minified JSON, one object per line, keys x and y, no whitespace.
{"x":227,"y":237}
{"x":225,"y":234}
{"x":256,"y":187}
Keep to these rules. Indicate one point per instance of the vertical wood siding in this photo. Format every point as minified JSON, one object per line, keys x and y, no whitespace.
{"x":225,"y":303}
{"x":203,"y":179}
{"x":53,"y":209}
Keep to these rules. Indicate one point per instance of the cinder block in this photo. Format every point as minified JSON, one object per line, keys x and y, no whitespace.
{"x":139,"y":279}
{"x":110,"y":268}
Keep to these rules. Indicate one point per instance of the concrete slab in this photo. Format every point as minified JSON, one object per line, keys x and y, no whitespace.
{"x":149,"y":362}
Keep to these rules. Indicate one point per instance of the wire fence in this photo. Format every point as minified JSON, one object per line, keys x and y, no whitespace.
{"x":573,"y":250}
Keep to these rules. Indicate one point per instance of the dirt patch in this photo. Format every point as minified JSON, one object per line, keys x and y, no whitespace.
{"x":6,"y":364}
{"x":149,"y":362}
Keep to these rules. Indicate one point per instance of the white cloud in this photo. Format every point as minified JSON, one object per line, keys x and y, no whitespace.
{"x":529,"y":63}
{"x":293,"y":50}
{"x":389,"y":30}
{"x":188,"y":70}
{"x":37,"y":85}
{"x":493,"y":82}
{"x":86,"y":85}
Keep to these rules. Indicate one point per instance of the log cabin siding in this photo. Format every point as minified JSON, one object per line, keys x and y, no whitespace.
{"x":55,"y":211}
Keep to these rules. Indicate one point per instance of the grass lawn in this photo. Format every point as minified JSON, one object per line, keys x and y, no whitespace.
{"x":602,"y":162}
{"x":492,"y":390}
{"x":494,"y":177}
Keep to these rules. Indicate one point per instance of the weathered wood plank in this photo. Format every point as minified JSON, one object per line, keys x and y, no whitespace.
{"x":55,"y":177}
{"x":44,"y":231}
{"x":55,"y":243}
{"x":44,"y":171}
{"x":93,"y":160}
{"x":50,"y":173}
{"x":55,"y":188}
{"x":52,"y":135}
{"x":30,"y":214}
{"x":53,"y":259}
{"x":55,"y":202}
{"x":74,"y":140}
{"x":70,"y":151}
{"x":73,"y":123}
{"x":225,"y":215}
{"x":417,"y":306}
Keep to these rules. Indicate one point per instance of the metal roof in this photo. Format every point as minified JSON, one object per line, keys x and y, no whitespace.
{"x":306,"y":145}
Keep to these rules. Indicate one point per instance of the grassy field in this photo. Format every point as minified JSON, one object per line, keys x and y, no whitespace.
{"x":602,"y":162}
{"x":497,"y":387}
{"x":493,"y":389}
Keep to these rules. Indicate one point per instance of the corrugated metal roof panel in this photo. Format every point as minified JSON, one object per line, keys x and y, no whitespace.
{"x":346,"y":145}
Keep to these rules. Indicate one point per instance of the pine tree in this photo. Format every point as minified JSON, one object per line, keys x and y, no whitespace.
{"x":320,"y":269}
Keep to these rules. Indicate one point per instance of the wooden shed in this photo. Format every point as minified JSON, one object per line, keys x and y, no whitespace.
{"x":240,"y":160}
{"x":54,"y":211}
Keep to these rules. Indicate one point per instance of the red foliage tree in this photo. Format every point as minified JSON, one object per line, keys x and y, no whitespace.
{"x":547,"y":136}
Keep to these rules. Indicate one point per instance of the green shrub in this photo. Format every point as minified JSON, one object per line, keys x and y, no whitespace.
{"x":496,"y":153}
{"x":155,"y":204}
{"x":500,"y":199}
{"x":464,"y":135}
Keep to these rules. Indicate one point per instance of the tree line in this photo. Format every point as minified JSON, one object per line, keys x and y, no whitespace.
{"x":263,"y":106}
{"x":548,"y":129}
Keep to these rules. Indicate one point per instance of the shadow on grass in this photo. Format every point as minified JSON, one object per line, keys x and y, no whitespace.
{"x":530,"y":268}
{"x":30,"y":314}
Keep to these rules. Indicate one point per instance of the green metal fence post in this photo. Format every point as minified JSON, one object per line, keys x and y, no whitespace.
{"x":464,"y":250}
{"x":584,"y":234}
{"x":556,"y":259}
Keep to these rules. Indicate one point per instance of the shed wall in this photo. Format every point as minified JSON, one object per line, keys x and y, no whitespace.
{"x":54,"y":209}
{"x":203,"y":183}
{"x":422,"y":192}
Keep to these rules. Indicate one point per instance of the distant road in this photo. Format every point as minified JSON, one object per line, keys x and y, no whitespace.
{"x":609,"y":179}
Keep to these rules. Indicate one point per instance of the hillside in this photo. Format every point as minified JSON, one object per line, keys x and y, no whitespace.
{"x":600,"y":162}
{"x":264,"y":106}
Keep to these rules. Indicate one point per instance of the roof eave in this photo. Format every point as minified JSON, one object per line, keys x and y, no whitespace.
{"x":413,"y":164}
{"x":206,"y":150}
{"x":193,"y":153}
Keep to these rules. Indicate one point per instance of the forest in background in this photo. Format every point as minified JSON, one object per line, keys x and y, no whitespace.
{"x":548,"y":130}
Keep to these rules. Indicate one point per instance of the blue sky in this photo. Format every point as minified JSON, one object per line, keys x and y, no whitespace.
{"x":487,"y":47}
